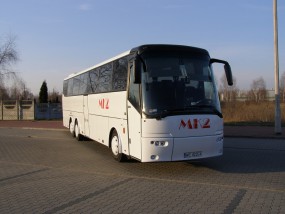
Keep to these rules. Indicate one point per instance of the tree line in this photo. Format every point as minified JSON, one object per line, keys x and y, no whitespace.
{"x":257,"y":93}
{"x":12,"y":86}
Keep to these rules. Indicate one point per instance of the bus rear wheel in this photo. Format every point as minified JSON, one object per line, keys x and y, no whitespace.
{"x":116,"y":147}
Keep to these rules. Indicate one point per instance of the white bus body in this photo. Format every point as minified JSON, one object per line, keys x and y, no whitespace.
{"x":139,"y":104}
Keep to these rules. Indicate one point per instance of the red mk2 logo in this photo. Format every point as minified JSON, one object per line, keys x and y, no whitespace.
{"x":104,"y":103}
{"x":195,"y":123}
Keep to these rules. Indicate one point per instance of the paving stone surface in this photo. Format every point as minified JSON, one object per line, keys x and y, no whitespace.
{"x":48,"y":171}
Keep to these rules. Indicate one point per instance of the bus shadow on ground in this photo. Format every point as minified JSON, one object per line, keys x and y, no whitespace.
{"x":245,"y":161}
{"x":233,"y":161}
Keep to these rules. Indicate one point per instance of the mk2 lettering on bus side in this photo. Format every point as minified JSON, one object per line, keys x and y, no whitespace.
{"x":195,"y":123}
{"x":104,"y":103}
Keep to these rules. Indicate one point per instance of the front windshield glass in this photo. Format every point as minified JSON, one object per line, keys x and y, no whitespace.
{"x":178,"y":84}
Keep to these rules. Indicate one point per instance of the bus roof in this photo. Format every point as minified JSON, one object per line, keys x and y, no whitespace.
{"x":165,"y":47}
{"x":145,"y":48}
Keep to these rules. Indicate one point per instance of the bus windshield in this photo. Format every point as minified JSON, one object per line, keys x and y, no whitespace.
{"x":178,"y":83}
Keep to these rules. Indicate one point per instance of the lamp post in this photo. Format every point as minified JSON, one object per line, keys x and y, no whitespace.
{"x":276,"y":71}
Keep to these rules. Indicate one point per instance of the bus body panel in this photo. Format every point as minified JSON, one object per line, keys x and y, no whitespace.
{"x":105,"y":112}
{"x":66,"y":117}
{"x":73,"y":110}
{"x":108,"y":104}
{"x":73,"y":104}
{"x":183,"y":126}
{"x":99,"y":128}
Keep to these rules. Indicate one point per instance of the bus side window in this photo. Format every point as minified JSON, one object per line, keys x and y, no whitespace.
{"x":134,"y":90}
{"x":120,"y":74}
{"x":70,"y":87}
{"x":65,"y":87}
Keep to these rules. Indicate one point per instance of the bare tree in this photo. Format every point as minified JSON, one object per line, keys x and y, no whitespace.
{"x":258,"y":92}
{"x":228,"y":93}
{"x":18,"y":89}
{"x":8,"y":55}
{"x":3,"y":92}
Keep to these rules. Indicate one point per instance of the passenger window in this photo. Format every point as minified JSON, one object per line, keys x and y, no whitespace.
{"x":70,"y":87}
{"x":120,"y":74}
{"x":76,"y":85}
{"x":100,"y":79}
{"x":83,"y":83}
{"x":65,"y":87}
{"x":104,"y":78}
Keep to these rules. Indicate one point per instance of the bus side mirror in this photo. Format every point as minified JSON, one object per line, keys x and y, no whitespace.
{"x":228,"y":71}
{"x":227,"y":68}
{"x":137,"y":71}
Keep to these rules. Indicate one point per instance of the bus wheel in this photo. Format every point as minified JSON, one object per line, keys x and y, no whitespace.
{"x":116,"y":147}
{"x":78,"y":136}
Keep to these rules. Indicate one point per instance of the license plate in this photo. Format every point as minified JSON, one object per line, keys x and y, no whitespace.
{"x":193,"y":154}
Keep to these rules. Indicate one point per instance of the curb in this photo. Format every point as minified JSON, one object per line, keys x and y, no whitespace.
{"x":34,"y":128}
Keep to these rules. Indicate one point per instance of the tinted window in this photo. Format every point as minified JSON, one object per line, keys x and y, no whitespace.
{"x":76,"y":85}
{"x":92,"y":78}
{"x":100,"y":79}
{"x":65,"y":85}
{"x":174,"y":82}
{"x":70,"y":87}
{"x":104,"y":78}
{"x":83,"y":83}
{"x":120,"y":74}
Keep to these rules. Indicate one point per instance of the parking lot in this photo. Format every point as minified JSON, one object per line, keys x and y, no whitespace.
{"x":48,"y":171}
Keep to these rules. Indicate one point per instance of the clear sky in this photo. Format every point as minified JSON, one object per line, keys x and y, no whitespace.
{"x":59,"y":37}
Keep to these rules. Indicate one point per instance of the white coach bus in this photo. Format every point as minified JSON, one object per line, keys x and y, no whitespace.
{"x":152,"y":103}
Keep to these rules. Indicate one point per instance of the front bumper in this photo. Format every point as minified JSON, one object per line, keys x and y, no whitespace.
{"x":181,"y":149}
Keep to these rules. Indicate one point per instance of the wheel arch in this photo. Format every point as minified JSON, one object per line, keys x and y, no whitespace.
{"x":70,"y":121}
{"x":76,"y":121}
{"x":110,"y":135}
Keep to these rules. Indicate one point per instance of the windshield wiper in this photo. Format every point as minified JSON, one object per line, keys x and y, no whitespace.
{"x":209,"y":107}
{"x":190,"y":109}
{"x":161,"y":114}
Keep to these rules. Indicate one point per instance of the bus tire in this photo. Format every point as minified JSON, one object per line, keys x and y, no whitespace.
{"x":77,"y":134}
{"x":116,"y":147}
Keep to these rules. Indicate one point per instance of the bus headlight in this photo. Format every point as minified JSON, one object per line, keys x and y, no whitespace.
{"x":154,"y":157}
{"x":220,"y":139}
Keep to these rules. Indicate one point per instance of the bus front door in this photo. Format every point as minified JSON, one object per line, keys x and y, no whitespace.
{"x":134,"y":129}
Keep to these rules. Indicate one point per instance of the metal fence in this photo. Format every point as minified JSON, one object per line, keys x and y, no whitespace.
{"x":29,"y":110}
{"x":48,"y":111}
